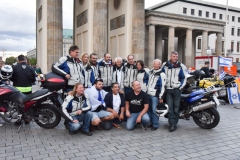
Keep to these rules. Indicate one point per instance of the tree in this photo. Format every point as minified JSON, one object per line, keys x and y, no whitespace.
{"x":11,"y":60}
{"x":33,"y":61}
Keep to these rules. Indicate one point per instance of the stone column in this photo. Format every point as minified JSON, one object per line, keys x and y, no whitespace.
{"x":204,"y":43}
{"x":159,"y":46}
{"x":100,"y":27}
{"x":171,"y":35}
{"x":193,"y":50}
{"x":188,"y":56}
{"x":151,"y":45}
{"x":138,"y":28}
{"x":219,"y":44}
{"x":54,"y":33}
{"x":180,"y":48}
{"x":165,"y":51}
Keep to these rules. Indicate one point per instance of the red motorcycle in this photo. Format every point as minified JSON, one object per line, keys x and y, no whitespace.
{"x":15,"y":107}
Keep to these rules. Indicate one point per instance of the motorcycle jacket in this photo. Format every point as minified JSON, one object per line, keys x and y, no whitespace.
{"x":72,"y":104}
{"x":130,"y":75}
{"x":88,"y":74}
{"x":156,"y":83}
{"x":23,"y":77}
{"x":95,"y":69}
{"x":176,"y":74}
{"x":69,"y":65}
{"x":118,"y":76}
{"x":142,"y":77}
{"x":105,"y":70}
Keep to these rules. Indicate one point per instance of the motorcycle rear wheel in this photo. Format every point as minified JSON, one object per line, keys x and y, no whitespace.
{"x":209,"y":118}
{"x":51,"y":121}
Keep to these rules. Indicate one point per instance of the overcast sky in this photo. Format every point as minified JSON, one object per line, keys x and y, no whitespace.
{"x":17,"y":21}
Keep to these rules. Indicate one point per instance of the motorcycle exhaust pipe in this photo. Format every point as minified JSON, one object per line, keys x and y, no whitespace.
{"x":203,"y":106}
{"x":6,"y":119}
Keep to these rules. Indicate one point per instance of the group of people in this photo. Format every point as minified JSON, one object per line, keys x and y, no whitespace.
{"x":105,"y":93}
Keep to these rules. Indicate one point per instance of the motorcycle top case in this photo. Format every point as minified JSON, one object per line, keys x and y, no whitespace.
{"x":54,"y":82}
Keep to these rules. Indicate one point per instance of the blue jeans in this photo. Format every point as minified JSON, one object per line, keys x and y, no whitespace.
{"x":127,"y":89}
{"x":131,"y":121}
{"x":85,"y":118}
{"x":152,"y":111}
{"x":173,"y":97}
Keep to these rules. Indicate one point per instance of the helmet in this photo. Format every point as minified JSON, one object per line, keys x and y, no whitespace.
{"x":6,"y":72}
{"x":162,"y":109}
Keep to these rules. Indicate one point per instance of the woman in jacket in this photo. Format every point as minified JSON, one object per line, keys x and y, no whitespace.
{"x":88,"y":72}
{"x":115,"y":104}
{"x":77,"y":108}
{"x":142,"y":75}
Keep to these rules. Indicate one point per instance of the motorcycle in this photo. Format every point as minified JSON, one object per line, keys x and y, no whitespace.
{"x":200,"y":104}
{"x":229,"y":81}
{"x":17,"y":107}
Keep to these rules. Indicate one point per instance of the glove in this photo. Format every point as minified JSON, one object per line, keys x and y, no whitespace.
{"x":176,"y":85}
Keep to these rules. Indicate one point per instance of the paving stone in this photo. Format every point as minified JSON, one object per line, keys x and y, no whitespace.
{"x":187,"y":142}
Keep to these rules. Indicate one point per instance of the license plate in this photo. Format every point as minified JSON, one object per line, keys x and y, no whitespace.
{"x":60,"y":100}
{"x":216,"y":100}
{"x":222,"y":93}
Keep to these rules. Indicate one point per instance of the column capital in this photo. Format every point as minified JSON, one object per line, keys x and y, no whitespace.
{"x":171,"y":27}
{"x":189,"y":29}
{"x":151,"y":25}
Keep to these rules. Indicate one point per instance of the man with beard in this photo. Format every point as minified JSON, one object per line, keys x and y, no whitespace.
{"x":93,"y":64}
{"x":99,"y":114}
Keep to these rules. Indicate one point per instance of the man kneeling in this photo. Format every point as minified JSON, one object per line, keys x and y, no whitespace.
{"x":115,"y":104}
{"x":99,"y":114}
{"x":137,"y":103}
{"x":76,"y":107}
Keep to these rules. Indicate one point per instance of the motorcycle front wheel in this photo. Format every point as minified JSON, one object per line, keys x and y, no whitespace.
{"x":207,"y":119}
{"x":49,"y":118}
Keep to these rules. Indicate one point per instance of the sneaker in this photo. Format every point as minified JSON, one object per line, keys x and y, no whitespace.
{"x":154,"y":128}
{"x":150,"y":125}
{"x":1,"y":124}
{"x":172,"y":128}
{"x":144,"y":127}
{"x":86,"y":133}
{"x":72,"y":132}
{"x":99,"y":127}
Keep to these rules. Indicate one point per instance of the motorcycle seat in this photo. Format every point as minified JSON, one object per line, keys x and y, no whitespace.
{"x":34,"y":95}
{"x":185,"y":95}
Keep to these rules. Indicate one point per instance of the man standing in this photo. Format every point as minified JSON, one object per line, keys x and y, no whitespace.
{"x":137,"y":107}
{"x":118,"y":73}
{"x":94,"y":65}
{"x":99,"y":113}
{"x":130,"y":74}
{"x":70,"y":68}
{"x":205,"y":69}
{"x":155,"y":91}
{"x":176,"y":75}
{"x":23,"y":76}
{"x":105,"y":71}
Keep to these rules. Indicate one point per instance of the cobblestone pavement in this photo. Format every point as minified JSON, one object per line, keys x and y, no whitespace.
{"x":187,"y":142}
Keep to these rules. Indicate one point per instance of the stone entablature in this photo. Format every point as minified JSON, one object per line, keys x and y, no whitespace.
{"x":169,"y":19}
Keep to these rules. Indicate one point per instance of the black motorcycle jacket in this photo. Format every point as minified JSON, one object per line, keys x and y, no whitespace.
{"x":23,"y":75}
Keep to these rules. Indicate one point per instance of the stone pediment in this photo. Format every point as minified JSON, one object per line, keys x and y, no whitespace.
{"x":176,"y":20}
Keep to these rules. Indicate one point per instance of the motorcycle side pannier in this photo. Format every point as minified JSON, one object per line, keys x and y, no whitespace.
{"x":54,"y":82}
